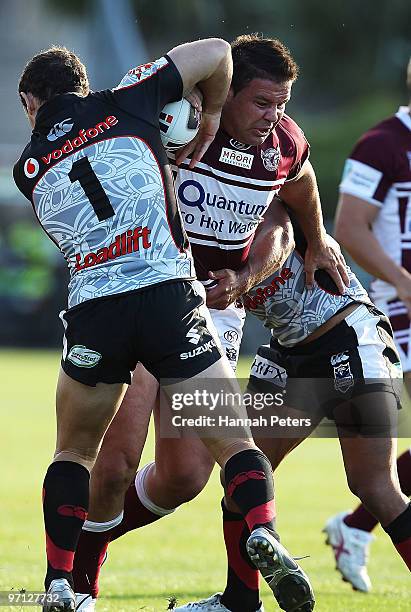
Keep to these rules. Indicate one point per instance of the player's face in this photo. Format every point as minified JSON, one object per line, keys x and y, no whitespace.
{"x":252,"y":114}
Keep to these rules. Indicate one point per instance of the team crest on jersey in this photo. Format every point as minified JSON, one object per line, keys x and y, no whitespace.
{"x":31,"y":167}
{"x":271,"y":158}
{"x":239,"y":145}
{"x":60,"y":129}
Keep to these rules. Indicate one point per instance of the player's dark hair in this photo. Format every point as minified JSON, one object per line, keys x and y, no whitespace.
{"x":255,"y":57}
{"x":52,"y":72}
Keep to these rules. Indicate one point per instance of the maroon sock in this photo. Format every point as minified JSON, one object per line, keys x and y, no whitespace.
{"x":135,"y":514}
{"x":361,"y":518}
{"x":399,"y":531}
{"x":90,"y":553}
{"x":92,"y":546}
{"x":243,"y":579}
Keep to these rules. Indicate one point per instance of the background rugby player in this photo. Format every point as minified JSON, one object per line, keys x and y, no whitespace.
{"x":107,"y":201}
{"x":258,"y":152}
{"x":374,"y":224}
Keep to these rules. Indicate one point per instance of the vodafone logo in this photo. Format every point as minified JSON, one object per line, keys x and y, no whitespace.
{"x":31,"y":167}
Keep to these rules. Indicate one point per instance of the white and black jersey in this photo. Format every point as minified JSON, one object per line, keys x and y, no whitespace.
{"x":98,"y":178}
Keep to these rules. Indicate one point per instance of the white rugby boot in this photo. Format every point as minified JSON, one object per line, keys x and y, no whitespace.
{"x":85,"y":602}
{"x":289,"y":583}
{"x":59,"y":597}
{"x":351,"y":551}
{"x":212,"y":604}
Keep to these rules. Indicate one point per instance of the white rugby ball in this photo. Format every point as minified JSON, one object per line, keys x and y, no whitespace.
{"x":179,"y":123}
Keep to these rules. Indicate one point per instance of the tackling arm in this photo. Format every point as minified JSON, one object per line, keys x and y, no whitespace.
{"x":208,"y":64}
{"x":302,"y":196}
{"x":272,"y":244}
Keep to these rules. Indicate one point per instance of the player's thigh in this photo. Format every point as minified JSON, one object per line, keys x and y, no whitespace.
{"x":124,"y":440}
{"x":182,"y":462}
{"x":84,"y":413}
{"x":283,"y":427}
{"x":370,"y":458}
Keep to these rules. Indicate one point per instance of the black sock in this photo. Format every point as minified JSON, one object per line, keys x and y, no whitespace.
{"x":400,"y":528}
{"x":242,"y":591}
{"x":249,"y":483}
{"x":65,"y":506}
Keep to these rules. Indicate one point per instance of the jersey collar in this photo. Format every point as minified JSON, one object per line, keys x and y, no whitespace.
{"x":404,"y":116}
{"x":53,"y":107}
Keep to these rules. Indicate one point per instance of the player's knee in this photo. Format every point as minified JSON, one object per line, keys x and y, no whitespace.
{"x":370,"y":489}
{"x":186,"y":482}
{"x":114,"y":478}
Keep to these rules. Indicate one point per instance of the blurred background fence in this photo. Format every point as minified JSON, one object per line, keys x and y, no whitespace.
{"x":352,"y":56}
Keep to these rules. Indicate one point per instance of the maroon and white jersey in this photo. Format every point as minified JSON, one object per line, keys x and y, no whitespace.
{"x":379,"y":172}
{"x":223,"y":199}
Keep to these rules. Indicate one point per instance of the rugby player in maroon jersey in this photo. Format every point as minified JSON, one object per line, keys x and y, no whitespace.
{"x":374,"y":224}
{"x":258,"y":152}
{"x":107,"y":196}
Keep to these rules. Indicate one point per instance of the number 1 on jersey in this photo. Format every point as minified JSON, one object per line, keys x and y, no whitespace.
{"x":85,"y":175}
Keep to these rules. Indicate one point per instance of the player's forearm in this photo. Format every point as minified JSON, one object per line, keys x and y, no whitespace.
{"x":272,"y":244}
{"x":208,"y":64}
{"x":215,"y":87}
{"x":303,"y":199}
{"x":366,"y":251}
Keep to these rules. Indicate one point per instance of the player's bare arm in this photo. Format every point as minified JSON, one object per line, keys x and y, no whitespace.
{"x":272,"y":244}
{"x":207,"y":64}
{"x":302,"y":196}
{"x":353,"y":229}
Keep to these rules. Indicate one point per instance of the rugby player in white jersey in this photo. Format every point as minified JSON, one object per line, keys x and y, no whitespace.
{"x":258,"y":152}
{"x":100,"y":185}
{"x":374,"y":224}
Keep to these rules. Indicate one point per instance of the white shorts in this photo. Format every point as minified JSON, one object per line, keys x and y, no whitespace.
{"x":229,"y":324}
{"x":401,"y":325}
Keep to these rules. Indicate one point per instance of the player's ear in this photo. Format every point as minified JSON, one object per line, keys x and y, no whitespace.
{"x":32,"y":104}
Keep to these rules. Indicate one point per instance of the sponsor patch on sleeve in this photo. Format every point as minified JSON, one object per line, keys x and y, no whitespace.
{"x":359,"y":179}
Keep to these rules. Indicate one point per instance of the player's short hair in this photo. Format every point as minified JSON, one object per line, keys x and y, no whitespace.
{"x":255,"y":57}
{"x":409,"y":76}
{"x":52,"y":72}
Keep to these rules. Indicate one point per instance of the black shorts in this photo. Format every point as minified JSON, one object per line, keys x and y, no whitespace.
{"x":355,"y":357}
{"x":163,"y":327}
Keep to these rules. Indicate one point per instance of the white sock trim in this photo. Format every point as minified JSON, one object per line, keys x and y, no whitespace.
{"x":142,"y":495}
{"x":100,"y":527}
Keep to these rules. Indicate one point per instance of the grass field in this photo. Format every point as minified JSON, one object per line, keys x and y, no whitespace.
{"x":181,"y":555}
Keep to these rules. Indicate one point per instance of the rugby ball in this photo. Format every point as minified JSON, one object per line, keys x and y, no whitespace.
{"x":179,"y":124}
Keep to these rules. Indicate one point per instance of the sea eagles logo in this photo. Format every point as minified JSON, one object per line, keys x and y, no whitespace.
{"x":60,"y":129}
{"x":271,"y":158}
{"x":239,"y":145}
